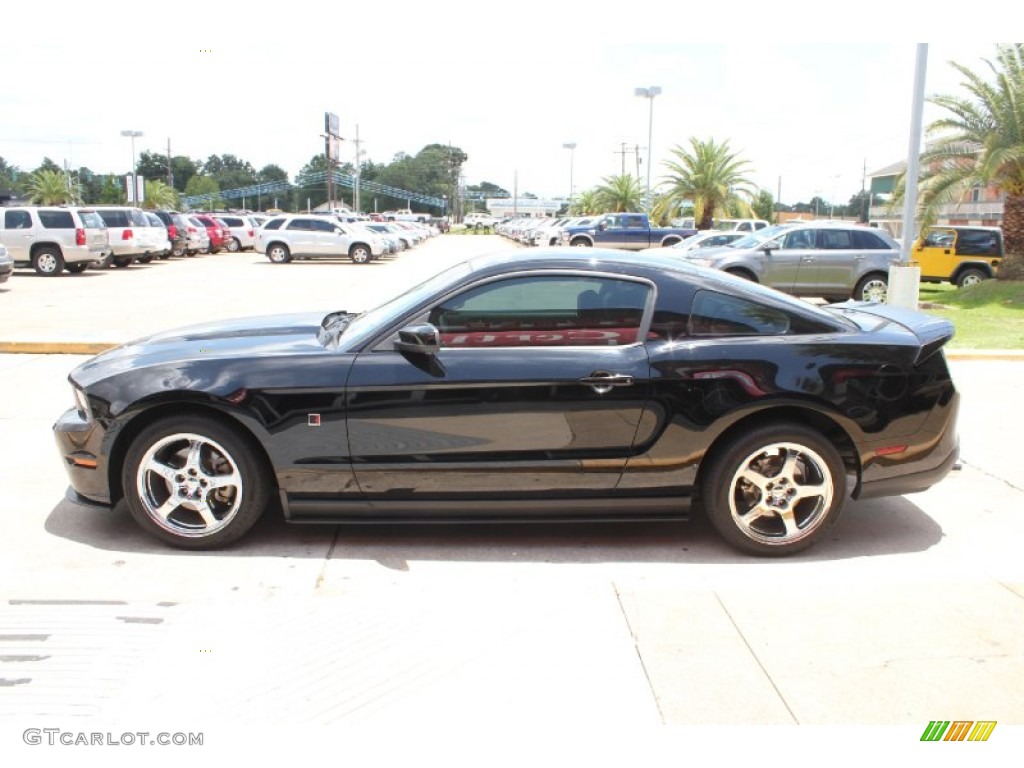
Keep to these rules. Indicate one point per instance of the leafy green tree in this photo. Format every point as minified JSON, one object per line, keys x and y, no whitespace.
{"x":711,"y":177}
{"x":47,"y":187}
{"x":112,"y":192}
{"x":152,"y":166}
{"x":270,"y":173}
{"x":204,"y":185}
{"x":8,"y":175}
{"x":619,"y":193}
{"x":183,"y":169}
{"x":981,"y":142}
{"x":763,"y":205}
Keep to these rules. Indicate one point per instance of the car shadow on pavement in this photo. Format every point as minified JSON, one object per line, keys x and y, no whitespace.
{"x":875,"y":527}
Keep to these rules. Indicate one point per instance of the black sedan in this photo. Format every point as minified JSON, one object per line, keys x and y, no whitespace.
{"x":555,"y":385}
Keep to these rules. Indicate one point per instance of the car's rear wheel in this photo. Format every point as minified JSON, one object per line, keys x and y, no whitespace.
{"x":581,"y":242}
{"x":774,"y":490}
{"x":233,"y":245}
{"x":123,"y":261}
{"x":970,"y":277}
{"x":179,"y":251}
{"x":194,"y":482}
{"x":742,"y":273}
{"x":360,"y":254}
{"x":48,"y":262}
{"x":278,"y":253}
{"x":77,"y":267}
{"x":144,"y":259}
{"x":872,"y":288}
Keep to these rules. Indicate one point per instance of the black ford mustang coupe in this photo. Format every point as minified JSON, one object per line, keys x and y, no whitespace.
{"x":550,"y":385}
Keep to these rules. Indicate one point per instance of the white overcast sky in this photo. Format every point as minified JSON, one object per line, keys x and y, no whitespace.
{"x":791,"y":85}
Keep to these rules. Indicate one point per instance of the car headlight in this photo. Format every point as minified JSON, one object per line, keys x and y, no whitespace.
{"x":82,"y":403}
{"x":700,"y":262}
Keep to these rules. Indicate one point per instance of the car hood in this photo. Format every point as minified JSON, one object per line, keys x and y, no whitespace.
{"x":270,"y":336}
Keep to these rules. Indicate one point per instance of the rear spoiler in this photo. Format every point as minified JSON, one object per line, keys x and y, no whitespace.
{"x":931,"y":332}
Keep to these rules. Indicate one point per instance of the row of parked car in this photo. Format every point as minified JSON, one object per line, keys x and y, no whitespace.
{"x":55,"y":239}
{"x":836,"y":260}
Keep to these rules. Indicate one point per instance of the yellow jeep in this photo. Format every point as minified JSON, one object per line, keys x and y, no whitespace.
{"x":963,"y":255}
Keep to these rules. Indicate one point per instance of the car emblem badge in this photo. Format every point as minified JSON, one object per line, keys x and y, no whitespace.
{"x":314,"y":419}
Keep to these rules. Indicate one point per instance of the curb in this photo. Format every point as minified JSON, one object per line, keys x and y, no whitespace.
{"x":54,"y":347}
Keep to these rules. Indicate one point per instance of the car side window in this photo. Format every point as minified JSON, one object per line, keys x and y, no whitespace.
{"x":835,"y":239}
{"x":17,"y":220}
{"x":869,"y":241}
{"x":273,"y":224}
{"x":977,"y":242}
{"x":801,"y":238}
{"x":544,"y":311}
{"x":304,"y":225}
{"x":324,"y":226}
{"x":717,"y":314}
{"x":56,"y":219}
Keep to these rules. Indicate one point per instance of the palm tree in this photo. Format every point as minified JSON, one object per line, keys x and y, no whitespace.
{"x":619,"y":193}
{"x":709,"y":176}
{"x":585,"y":204}
{"x":159,"y":195}
{"x":981,"y":142}
{"x":50,"y":188}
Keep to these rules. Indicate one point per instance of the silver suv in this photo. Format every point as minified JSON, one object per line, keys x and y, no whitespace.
{"x":832,"y":260}
{"x":316,"y":237}
{"x":51,"y":239}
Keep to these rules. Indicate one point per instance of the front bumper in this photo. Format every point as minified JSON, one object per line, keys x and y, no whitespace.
{"x":79,"y":442}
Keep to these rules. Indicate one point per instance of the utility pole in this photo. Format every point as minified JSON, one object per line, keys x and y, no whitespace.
{"x":638,"y":160}
{"x":170,"y":173}
{"x":359,"y":154}
{"x":622,"y":152}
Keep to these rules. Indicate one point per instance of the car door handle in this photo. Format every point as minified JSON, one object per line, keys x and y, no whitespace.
{"x":807,"y":258}
{"x":604,"y":381}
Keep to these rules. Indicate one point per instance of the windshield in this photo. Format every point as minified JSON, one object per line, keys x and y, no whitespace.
{"x":754,"y":239}
{"x":374,"y":321}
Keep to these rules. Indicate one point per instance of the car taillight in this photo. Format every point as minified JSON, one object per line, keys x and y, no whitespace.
{"x":79,"y":237}
{"x":252,"y":233}
{"x":172,"y":231}
{"x":126,"y":234}
{"x":192,"y":230}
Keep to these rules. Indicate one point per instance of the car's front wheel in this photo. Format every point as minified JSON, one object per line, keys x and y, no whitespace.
{"x":360,"y":254}
{"x":123,"y":261}
{"x":194,"y":482}
{"x":278,"y":253}
{"x":77,"y":268}
{"x":774,"y":490}
{"x":872,"y":288}
{"x":233,"y":245}
{"x":144,"y":259}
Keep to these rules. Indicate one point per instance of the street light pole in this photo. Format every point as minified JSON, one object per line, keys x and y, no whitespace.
{"x":133,"y":197}
{"x":571,"y":146}
{"x":649,"y":93}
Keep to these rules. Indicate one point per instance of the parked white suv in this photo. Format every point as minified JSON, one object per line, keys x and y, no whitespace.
{"x":130,"y":234}
{"x":315,"y":237}
{"x":54,"y":238}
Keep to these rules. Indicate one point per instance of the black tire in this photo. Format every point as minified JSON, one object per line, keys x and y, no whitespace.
{"x":278,"y":253}
{"x":774,"y":490}
{"x":194,"y":482}
{"x":581,"y":242}
{"x":122,"y":261}
{"x":48,"y":262}
{"x":177,"y":251}
{"x":360,"y":254}
{"x":77,"y":267}
{"x":874,"y":287}
{"x":969,"y":277}
{"x":144,"y":259}
{"x":233,"y":245}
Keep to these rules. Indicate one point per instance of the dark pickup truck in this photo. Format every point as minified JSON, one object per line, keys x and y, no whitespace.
{"x":630,"y":231}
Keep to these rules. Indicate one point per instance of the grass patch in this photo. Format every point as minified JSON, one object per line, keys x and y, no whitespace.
{"x":989,"y":315}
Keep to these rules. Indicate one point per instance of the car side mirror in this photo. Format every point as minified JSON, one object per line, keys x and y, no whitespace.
{"x":603,"y":226}
{"x":423,"y":339}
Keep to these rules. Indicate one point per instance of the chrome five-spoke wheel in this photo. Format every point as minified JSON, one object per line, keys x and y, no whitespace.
{"x":774,"y":490}
{"x":194,"y":482}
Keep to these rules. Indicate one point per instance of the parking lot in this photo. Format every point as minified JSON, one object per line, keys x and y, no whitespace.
{"x":913,"y":610}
